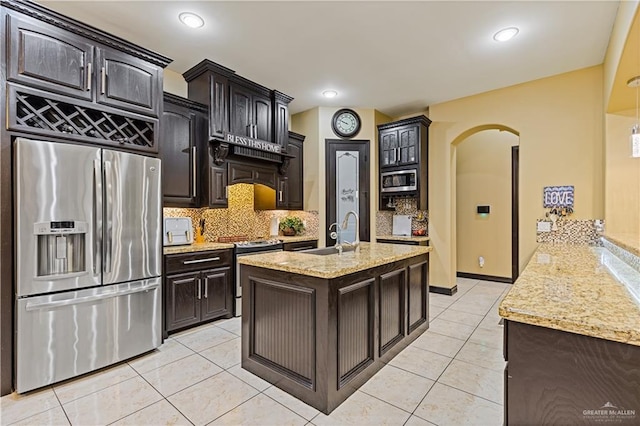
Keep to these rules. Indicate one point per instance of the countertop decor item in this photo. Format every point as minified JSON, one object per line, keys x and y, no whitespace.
{"x":291,"y":225}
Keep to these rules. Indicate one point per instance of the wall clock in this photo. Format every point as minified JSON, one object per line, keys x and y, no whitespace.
{"x":346,"y":123}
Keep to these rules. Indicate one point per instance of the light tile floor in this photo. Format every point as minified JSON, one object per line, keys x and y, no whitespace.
{"x":451,"y":375}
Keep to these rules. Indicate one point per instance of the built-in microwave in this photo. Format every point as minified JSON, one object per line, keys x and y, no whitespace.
{"x":399,"y":181}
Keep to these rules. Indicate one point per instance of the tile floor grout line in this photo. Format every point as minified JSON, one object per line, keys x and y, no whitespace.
{"x":61,"y":406}
{"x":293,"y":411}
{"x":165,"y":398}
{"x":456,"y":354}
{"x":228,"y":411}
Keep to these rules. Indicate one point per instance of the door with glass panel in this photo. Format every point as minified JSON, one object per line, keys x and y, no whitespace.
{"x":347,"y":186}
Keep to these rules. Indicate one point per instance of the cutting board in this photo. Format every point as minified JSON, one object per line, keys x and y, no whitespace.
{"x":401,"y":224}
{"x":177,"y":231}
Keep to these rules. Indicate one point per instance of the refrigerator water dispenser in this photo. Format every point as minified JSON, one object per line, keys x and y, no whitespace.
{"x":61,"y":247}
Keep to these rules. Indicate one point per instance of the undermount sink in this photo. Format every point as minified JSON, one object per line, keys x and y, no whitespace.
{"x":324,"y":251}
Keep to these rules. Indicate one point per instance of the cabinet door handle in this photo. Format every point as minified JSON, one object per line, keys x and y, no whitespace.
{"x":206,"y":288}
{"x":103,"y":80}
{"x":226,"y":192}
{"x":398,"y":155}
{"x":199,"y":289}
{"x":193,"y":165}
{"x":280,"y":196}
{"x":208,"y":259}
{"x":89,"y":74}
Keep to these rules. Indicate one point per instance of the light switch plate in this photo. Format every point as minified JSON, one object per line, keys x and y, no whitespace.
{"x":544,"y":226}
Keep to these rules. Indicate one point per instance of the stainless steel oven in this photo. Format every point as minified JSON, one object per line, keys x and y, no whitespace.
{"x":247,"y":248}
{"x":399,"y":181}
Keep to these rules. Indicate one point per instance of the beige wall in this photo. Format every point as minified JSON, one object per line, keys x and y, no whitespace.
{"x":315,"y":124}
{"x":622,"y":173}
{"x":622,"y":200}
{"x":174,"y":83}
{"x":483,"y":177}
{"x":615,"y":49}
{"x":560,"y":123}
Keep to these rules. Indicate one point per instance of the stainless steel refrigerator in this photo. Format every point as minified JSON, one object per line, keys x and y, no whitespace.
{"x":88,"y":226}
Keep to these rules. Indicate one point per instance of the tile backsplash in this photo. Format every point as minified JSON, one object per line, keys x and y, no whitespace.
{"x":408,"y":206}
{"x":240,"y":218}
{"x":572,"y":231}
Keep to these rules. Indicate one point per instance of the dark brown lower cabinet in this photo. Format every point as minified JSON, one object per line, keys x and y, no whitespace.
{"x":182,"y":302}
{"x":197,"y":288}
{"x":215,"y":285}
{"x":320,"y":339}
{"x":556,"y":377}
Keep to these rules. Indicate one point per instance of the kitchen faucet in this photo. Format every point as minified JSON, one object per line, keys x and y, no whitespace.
{"x":345,"y":222}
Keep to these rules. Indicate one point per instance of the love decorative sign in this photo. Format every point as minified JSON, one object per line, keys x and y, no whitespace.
{"x":558,"y":196}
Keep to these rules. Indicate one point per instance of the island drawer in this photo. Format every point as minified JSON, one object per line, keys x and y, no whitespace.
{"x":185,"y":262}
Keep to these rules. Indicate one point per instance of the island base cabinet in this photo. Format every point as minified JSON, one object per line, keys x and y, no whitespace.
{"x":556,"y":377}
{"x":321,"y":339}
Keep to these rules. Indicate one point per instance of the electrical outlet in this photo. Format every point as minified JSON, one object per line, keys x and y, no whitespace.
{"x":481,"y":261}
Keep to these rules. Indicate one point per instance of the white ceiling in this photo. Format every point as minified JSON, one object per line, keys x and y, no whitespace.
{"x":397,"y":57}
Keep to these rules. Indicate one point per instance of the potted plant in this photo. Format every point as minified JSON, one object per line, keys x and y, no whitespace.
{"x":291,"y":225}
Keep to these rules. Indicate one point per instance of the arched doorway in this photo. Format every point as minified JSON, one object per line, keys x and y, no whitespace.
{"x":486,"y":203}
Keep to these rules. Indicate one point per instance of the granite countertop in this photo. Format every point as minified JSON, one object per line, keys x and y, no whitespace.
{"x":580,"y":289}
{"x":415,"y":238}
{"x":296,"y":239}
{"x":368,"y":256}
{"x":191,"y":248}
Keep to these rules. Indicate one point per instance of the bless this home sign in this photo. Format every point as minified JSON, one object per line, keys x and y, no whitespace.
{"x":558,"y":196}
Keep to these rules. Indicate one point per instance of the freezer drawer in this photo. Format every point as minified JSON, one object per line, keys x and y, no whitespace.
{"x":68,"y":334}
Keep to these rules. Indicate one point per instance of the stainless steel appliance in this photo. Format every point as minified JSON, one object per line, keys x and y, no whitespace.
{"x":245,"y":248}
{"x":399,"y":181}
{"x":88,"y":259}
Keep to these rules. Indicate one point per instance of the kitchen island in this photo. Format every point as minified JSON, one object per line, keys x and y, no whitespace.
{"x":572,"y":339}
{"x":319,"y":326}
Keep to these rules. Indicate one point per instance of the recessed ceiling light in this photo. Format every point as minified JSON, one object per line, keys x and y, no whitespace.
{"x":506,"y":34}
{"x":191,"y":20}
{"x":329,"y":93}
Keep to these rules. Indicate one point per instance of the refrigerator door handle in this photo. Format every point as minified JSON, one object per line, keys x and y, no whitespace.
{"x":108,"y":181}
{"x":75,"y":301}
{"x":97,"y":217}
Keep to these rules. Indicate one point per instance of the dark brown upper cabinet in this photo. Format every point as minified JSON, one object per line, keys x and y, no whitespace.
{"x":183,"y":134}
{"x":250,"y":112}
{"x":190,"y":176}
{"x":57,"y":60}
{"x":128,"y":82}
{"x":404,"y":144}
{"x":281,"y":119}
{"x":71,"y":81}
{"x":292,"y":184}
{"x":238,"y":105}
{"x":401,"y":144}
{"x":50,"y":58}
